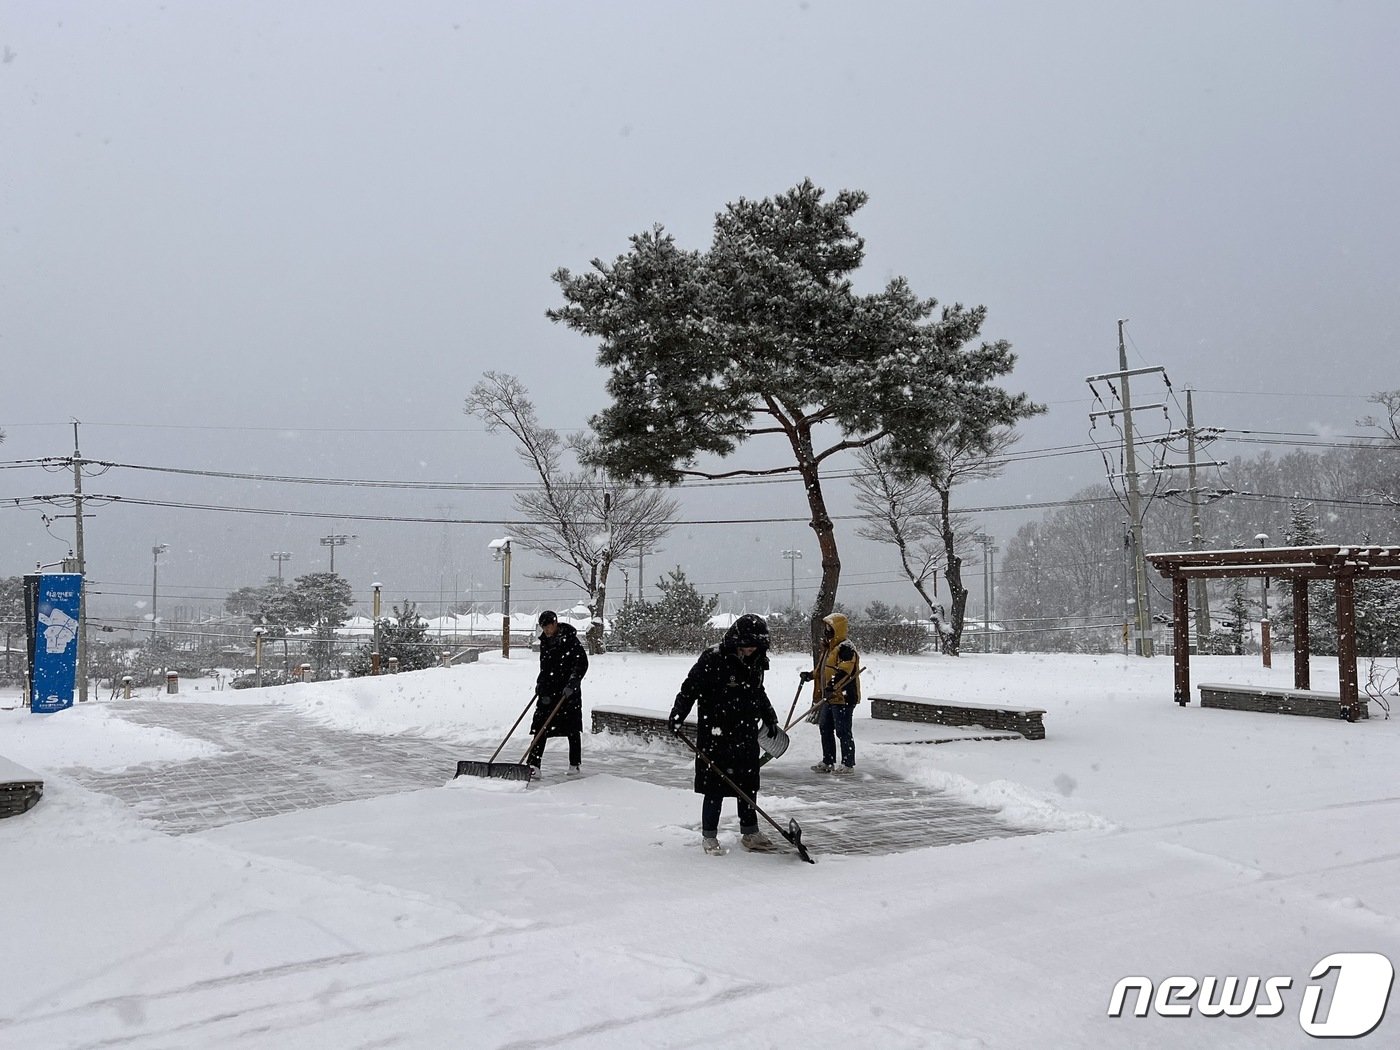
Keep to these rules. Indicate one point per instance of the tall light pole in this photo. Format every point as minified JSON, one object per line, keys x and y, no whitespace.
{"x":792,"y":556}
{"x":1265,"y":647}
{"x":156,"y":552}
{"x":501,"y":553}
{"x":279,"y":557}
{"x":333,"y":541}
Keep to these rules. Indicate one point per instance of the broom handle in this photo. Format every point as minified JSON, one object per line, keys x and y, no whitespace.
{"x":528,"y":704}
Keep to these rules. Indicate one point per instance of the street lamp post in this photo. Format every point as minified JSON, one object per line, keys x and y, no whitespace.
{"x":156,"y":552}
{"x":1265,"y":643}
{"x":258,"y":633}
{"x":374,"y":655}
{"x":501,"y":549}
{"x":792,"y":556}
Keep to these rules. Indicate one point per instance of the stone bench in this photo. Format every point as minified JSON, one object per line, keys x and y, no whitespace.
{"x":1278,"y":701}
{"x":1028,"y":721}
{"x":20,"y":788}
{"x":638,"y":721}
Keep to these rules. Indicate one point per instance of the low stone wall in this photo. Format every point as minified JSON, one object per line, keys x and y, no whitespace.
{"x":637,"y":721}
{"x":1028,"y":721}
{"x":1278,"y":701}
{"x":20,"y":788}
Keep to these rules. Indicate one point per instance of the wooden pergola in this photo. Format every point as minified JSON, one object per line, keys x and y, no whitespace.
{"x":1342,"y":565}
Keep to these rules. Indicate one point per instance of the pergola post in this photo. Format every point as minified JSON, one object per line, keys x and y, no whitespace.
{"x":1302,"y":673}
{"x":1298,"y":565}
{"x":1181,"y":643}
{"x":1346,"y":645}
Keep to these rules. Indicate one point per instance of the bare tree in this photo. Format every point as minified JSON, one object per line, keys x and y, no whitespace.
{"x":902,"y":512}
{"x":965,"y":454}
{"x":583,"y":521}
{"x":1389,"y":428}
{"x":914,"y":511}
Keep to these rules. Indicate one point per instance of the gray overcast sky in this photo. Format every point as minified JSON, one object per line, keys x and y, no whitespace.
{"x":288,"y":238}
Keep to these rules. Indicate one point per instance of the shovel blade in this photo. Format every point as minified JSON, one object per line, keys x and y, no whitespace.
{"x":495,"y":770}
{"x":774,"y":743}
{"x":794,"y":835}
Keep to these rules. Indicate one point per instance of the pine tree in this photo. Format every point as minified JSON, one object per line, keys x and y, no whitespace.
{"x":1303,"y":531}
{"x":1237,"y":610}
{"x":405,"y":638}
{"x":677,"y":622}
{"x":764,"y":334}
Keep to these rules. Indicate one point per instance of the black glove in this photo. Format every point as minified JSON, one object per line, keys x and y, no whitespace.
{"x":770,"y":726}
{"x":570,"y":689}
{"x":673,"y":723}
{"x":806,"y":676}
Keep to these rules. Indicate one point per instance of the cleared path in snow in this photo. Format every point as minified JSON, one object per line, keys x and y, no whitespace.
{"x":274,"y":761}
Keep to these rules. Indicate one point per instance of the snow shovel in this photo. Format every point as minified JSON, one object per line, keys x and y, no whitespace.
{"x":820,"y":661}
{"x":774,"y":742}
{"x":813,"y":713}
{"x":793,"y":832}
{"x":506,"y":770}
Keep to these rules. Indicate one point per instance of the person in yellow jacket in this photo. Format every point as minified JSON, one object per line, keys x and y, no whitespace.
{"x":835,"y":694}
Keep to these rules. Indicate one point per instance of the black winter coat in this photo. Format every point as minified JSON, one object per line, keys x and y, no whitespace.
{"x":732,"y":707}
{"x":563,"y":663}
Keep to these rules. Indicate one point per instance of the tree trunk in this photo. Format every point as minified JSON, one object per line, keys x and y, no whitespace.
{"x":826,"y":543}
{"x":957,"y":593}
{"x":598,"y":597}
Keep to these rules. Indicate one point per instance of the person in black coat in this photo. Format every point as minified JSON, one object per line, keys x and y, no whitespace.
{"x":727,"y":684}
{"x":563,"y":663}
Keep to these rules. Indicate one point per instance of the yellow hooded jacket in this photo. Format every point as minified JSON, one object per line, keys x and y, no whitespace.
{"x":836,"y":677}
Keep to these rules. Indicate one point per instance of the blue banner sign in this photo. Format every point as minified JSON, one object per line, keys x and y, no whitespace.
{"x":56,"y":641}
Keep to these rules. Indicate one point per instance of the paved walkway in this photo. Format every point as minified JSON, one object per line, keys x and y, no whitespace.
{"x":274,"y":761}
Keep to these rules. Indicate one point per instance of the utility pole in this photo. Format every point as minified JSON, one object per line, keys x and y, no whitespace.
{"x":1127,"y":550}
{"x":987,"y":551}
{"x":1194,"y":493}
{"x":1142,"y":615}
{"x":1197,"y":541}
{"x":82,"y":567}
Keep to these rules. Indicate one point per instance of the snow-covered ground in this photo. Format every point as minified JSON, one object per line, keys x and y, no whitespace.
{"x":581,"y":913}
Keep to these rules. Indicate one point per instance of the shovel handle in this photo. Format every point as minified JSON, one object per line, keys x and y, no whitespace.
{"x":821,"y":703}
{"x":558,"y":704}
{"x":529,"y":704}
{"x":821,"y":662}
{"x":794,"y":839}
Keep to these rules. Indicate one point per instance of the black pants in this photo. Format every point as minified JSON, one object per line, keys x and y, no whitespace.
{"x":575,"y":750}
{"x":709,"y":816}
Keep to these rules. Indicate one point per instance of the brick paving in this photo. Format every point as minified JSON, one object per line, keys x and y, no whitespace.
{"x":274,"y":761}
